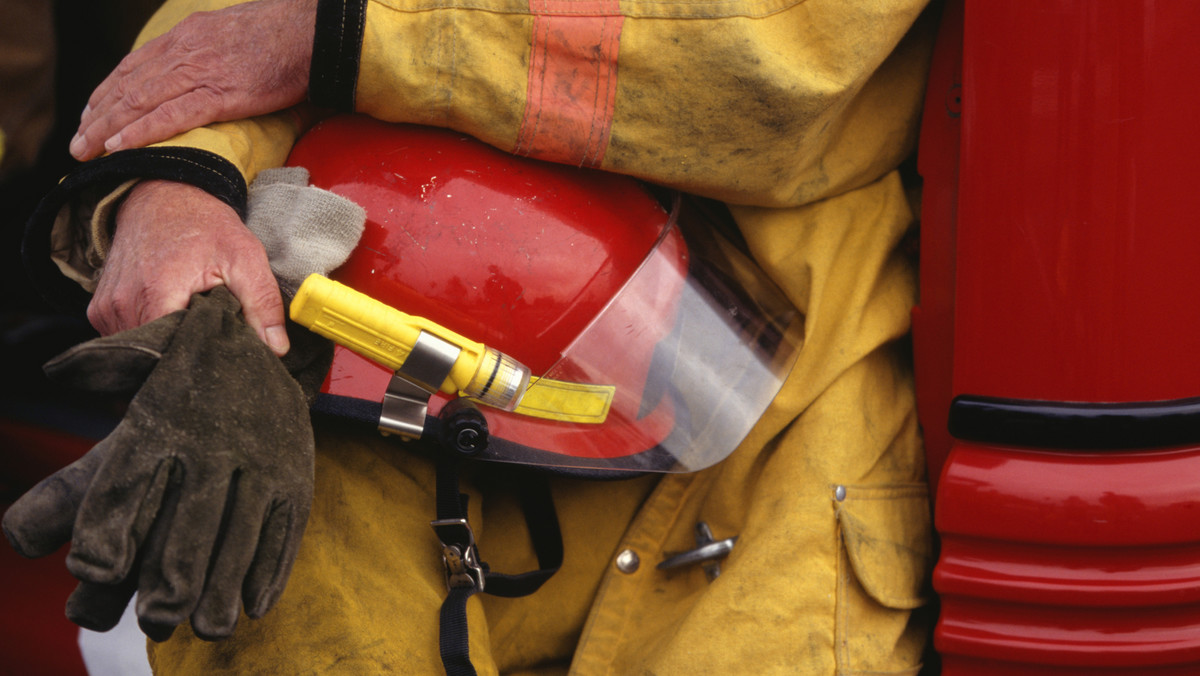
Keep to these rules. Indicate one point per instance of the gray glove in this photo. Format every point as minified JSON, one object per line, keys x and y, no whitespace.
{"x":199,"y":497}
{"x":303,"y":229}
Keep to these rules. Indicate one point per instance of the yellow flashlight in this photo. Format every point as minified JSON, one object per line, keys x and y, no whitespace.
{"x":386,"y":335}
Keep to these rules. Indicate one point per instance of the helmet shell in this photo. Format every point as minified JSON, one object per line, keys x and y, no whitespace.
{"x":519,"y":254}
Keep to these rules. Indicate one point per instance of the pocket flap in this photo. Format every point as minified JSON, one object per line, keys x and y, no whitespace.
{"x":888,"y":537}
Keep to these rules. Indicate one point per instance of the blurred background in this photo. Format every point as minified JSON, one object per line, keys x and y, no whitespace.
{"x":52,"y":55}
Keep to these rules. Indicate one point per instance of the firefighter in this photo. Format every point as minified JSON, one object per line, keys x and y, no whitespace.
{"x":795,"y":115}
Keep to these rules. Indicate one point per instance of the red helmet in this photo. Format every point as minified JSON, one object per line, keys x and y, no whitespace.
{"x":646,"y":352}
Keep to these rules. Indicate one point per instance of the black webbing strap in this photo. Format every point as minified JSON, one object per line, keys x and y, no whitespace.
{"x":452,"y":639}
{"x":467,"y":575}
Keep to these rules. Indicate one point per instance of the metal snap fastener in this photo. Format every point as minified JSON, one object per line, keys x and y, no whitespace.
{"x":628,"y":561}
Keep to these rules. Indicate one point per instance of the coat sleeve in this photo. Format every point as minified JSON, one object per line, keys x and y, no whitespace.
{"x":758,"y":102}
{"x":762,"y":102}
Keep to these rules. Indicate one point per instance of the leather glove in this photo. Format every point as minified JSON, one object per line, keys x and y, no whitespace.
{"x":200,"y":495}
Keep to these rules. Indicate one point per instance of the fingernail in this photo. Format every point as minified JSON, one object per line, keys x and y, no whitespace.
{"x":277,"y":340}
{"x":113,"y":143}
{"x":86,"y":109}
{"x":76,"y":145}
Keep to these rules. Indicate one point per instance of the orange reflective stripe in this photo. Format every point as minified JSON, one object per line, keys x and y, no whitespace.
{"x":572,"y":81}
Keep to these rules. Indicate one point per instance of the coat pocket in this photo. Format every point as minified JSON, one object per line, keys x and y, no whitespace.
{"x":886,"y":555}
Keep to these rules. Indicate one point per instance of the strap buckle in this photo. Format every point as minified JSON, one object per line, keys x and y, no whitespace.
{"x":463,"y":568}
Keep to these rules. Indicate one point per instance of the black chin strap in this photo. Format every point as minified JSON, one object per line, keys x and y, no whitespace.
{"x":467,"y":575}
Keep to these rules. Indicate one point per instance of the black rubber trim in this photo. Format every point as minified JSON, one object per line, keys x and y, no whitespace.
{"x":201,"y":168}
{"x":337,"y":47}
{"x":1075,"y":426}
{"x":364,"y":414}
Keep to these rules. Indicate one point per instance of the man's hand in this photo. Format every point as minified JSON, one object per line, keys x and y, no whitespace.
{"x":229,"y":64}
{"x":173,"y":240}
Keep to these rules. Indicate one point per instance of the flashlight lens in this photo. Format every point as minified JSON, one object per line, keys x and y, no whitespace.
{"x":500,"y":380}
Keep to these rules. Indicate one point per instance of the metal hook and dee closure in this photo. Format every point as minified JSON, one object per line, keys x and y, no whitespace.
{"x":708,"y":553}
{"x":464,"y":570}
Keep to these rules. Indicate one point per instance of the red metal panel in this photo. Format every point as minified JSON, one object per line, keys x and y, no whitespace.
{"x":1077,"y":499}
{"x":1068,"y":560}
{"x":1065,"y":636}
{"x":957,"y":664}
{"x":1078,"y":201}
{"x":1058,"y":257}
